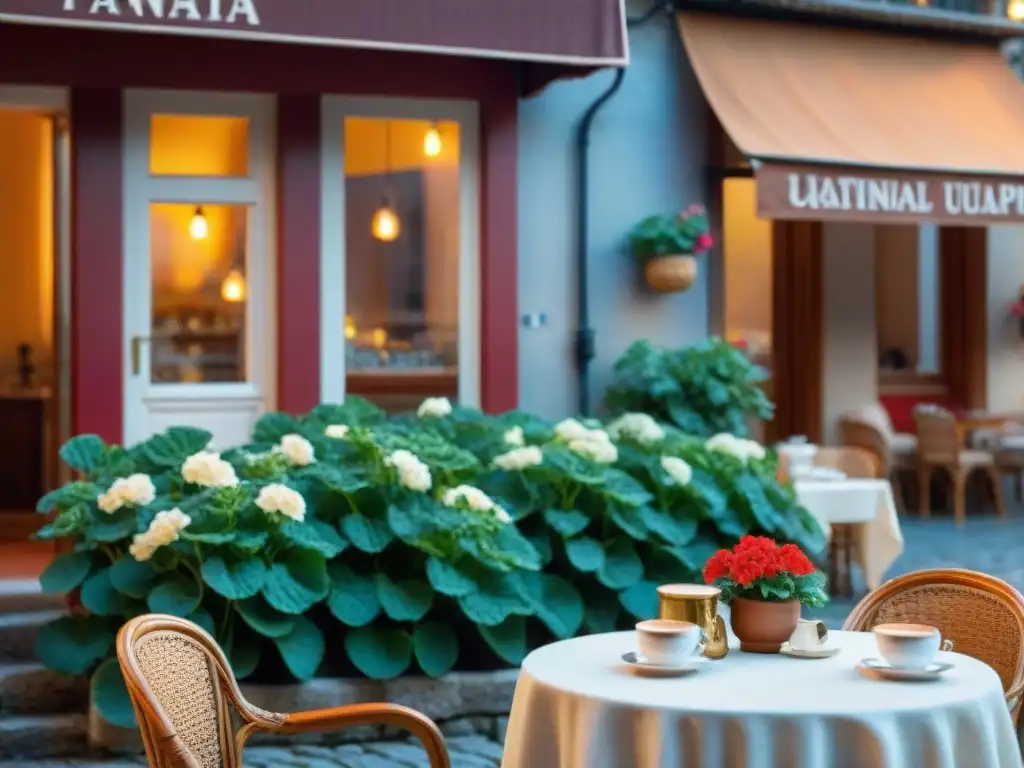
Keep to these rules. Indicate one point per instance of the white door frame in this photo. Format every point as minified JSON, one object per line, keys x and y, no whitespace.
{"x":334,"y":110}
{"x":257,"y":191}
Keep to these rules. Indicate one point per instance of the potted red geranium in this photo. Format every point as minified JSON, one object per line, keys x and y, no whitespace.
{"x":765,"y":584}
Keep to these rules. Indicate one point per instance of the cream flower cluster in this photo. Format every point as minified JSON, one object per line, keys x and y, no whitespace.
{"x":434,"y":408}
{"x":336,"y":431}
{"x":136,"y":490}
{"x":515,"y":437}
{"x":742,"y":449}
{"x":677,"y":469}
{"x":209,"y":470}
{"x":412,"y":473}
{"x":592,"y":443}
{"x":280,"y":499}
{"x":520,"y":458}
{"x":297,"y":449}
{"x":162,"y":531}
{"x":476,"y":500}
{"x":637,"y":426}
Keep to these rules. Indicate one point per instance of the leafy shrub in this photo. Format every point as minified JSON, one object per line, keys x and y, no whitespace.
{"x":346,"y":542}
{"x":705,"y":389}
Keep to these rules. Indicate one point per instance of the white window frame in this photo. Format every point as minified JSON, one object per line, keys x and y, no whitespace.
{"x":334,"y":110}
{"x":256,"y":191}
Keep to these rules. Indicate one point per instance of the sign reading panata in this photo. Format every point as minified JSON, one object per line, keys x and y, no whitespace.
{"x":209,"y":11}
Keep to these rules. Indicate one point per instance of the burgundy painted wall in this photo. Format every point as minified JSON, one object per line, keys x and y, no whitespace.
{"x":98,"y":63}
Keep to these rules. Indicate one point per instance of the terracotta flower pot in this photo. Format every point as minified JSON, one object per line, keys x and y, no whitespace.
{"x":669,"y":274}
{"x":763,"y":627}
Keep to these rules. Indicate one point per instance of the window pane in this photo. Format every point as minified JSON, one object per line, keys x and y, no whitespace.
{"x":187,"y":145}
{"x":198,"y":262}
{"x":747,"y":256}
{"x":402,"y":259}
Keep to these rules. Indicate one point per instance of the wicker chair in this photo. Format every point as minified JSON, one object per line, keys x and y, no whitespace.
{"x":939,"y":447}
{"x":871,"y":429}
{"x":184,"y":695}
{"x":982,"y":615}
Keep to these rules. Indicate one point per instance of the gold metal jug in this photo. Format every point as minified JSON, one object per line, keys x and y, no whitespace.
{"x":697,"y":604}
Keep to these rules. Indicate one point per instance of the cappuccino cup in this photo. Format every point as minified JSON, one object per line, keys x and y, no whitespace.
{"x":909,"y":646}
{"x":808,"y":636}
{"x":666,"y":643}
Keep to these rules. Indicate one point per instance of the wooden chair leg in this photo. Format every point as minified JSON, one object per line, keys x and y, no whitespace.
{"x":924,"y":489}
{"x":995,"y":478}
{"x":959,"y":495}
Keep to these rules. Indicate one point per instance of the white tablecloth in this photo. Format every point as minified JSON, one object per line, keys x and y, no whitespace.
{"x":866,"y":503}
{"x":577,"y":705}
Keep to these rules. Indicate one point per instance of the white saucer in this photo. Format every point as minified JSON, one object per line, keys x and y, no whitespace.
{"x":638,"y":663}
{"x":821,"y":652}
{"x":878,"y":668}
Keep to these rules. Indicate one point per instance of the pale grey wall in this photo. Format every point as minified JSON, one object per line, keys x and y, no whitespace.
{"x":648,"y":154}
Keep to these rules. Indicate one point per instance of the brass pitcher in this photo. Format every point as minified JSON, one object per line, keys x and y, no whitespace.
{"x":697,"y":604}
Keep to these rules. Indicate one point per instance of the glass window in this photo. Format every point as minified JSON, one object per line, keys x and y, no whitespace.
{"x":198,"y":260}
{"x":190,"y":145}
{"x":401,"y":259}
{"x":747,"y":264}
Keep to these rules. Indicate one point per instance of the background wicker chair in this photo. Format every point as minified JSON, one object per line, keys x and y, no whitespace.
{"x":938,"y":446}
{"x":982,"y":615}
{"x":184,"y":695}
{"x":871,"y":429}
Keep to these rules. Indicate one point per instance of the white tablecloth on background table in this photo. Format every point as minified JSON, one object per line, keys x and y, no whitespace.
{"x":577,"y":705}
{"x":868,"y":504}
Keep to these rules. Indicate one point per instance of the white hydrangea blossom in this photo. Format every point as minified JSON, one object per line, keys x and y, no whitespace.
{"x":515,"y":437}
{"x":519,"y":459}
{"x":434,"y":408}
{"x":283,"y":500}
{"x":570,"y":429}
{"x":637,"y":426}
{"x":603,"y":451}
{"x":297,"y":449}
{"x":412,"y":473}
{"x":742,"y":449}
{"x":677,"y":469}
{"x":476,"y":500}
{"x":136,"y":490}
{"x":164,"y":530}
{"x":209,"y":470}
{"x":336,"y":431}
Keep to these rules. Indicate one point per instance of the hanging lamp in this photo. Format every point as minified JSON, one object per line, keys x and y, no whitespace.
{"x":385,"y":225}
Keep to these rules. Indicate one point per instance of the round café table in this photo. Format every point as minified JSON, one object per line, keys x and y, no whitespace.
{"x":577,"y":705}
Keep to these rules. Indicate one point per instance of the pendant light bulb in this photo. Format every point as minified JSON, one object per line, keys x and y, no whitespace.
{"x":385,"y":225}
{"x":233,"y":288}
{"x":199,"y":227}
{"x":432,"y":144}
{"x":1015,"y":10}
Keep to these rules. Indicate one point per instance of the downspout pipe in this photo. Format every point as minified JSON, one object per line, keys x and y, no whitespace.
{"x":585,"y":334}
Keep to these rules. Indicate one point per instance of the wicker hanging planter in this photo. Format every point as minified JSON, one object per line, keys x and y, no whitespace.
{"x":670,"y":274}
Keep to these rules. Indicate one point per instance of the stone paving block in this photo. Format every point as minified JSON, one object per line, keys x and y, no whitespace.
{"x":476,"y":745}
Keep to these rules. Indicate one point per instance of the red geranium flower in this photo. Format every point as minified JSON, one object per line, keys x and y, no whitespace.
{"x":794,"y":561}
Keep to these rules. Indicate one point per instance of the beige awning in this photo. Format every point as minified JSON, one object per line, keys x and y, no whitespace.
{"x":865,"y":125}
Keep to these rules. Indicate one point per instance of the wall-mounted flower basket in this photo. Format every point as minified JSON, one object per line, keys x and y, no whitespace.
{"x":666,"y":245}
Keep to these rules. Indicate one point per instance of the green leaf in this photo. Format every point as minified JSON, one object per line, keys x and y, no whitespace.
{"x":353,"y":598}
{"x":72,"y":644}
{"x":629,"y":520}
{"x":436,"y":648}
{"x":68,"y":496}
{"x":202,"y":618}
{"x":210,"y":537}
{"x":673,"y":529}
{"x":99,"y":595}
{"x":749,"y":489}
{"x":132,"y":578}
{"x":498,"y":596}
{"x":507,"y":639}
{"x":297,"y":582}
{"x":567,"y":522}
{"x":271,"y":427}
{"x":341,"y":479}
{"x":263,"y":619}
{"x":602,"y":611}
{"x":555,"y":602}
{"x":379,"y":653}
{"x":244,"y":656}
{"x":404,"y":600}
{"x":624,"y":489}
{"x":302,"y":649}
{"x":235,"y":579}
{"x":641,"y":600}
{"x":83,"y":453}
{"x":110,"y":528}
{"x":66,"y":572}
{"x":178,"y":597}
{"x":314,"y":535}
{"x":448,"y":579}
{"x":585,"y":554}
{"x":169,"y":449}
{"x":368,"y":534}
{"x":622,"y":565}
{"x":110,"y":695}
{"x":696,"y":554}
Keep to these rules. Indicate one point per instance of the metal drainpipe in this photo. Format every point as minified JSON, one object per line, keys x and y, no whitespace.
{"x":585,"y":334}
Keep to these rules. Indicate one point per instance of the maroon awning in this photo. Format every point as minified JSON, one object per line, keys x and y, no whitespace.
{"x":584,"y":33}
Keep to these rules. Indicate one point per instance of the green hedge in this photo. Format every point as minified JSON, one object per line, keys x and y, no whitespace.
{"x":349,"y":542}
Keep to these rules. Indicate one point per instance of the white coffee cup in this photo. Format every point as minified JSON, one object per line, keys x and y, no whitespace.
{"x":908,"y":646}
{"x":667,"y":643}
{"x":808,"y":635}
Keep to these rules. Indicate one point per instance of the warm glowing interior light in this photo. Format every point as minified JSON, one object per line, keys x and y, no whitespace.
{"x":432,"y":142}
{"x":380,"y":338}
{"x":350,"y":327}
{"x":233,"y":287}
{"x":384,"y":225}
{"x":199,"y":227}
{"x":1015,"y":10}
